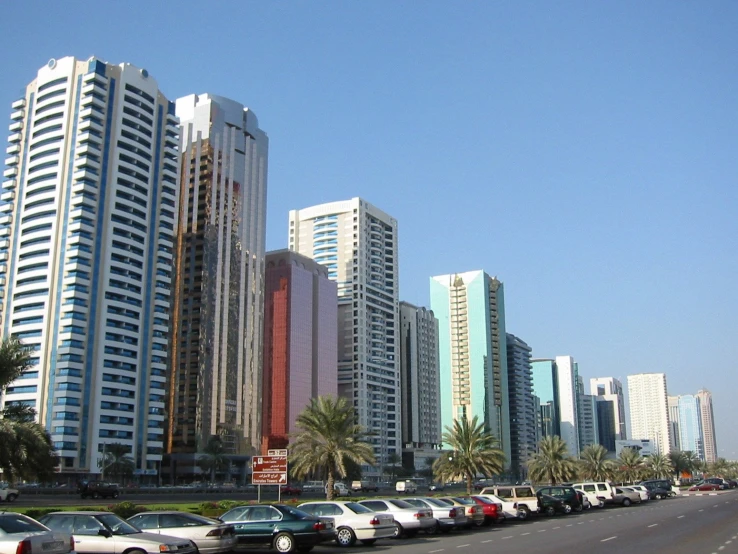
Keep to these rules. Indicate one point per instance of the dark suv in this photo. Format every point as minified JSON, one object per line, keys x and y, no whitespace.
{"x":97,"y":489}
{"x":568,"y":495}
{"x":658,"y":488}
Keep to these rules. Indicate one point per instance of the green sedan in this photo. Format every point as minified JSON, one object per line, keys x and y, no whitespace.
{"x":284,"y":528}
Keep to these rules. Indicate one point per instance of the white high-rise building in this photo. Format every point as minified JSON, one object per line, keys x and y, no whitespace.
{"x":357,"y":242}
{"x":87,"y":230}
{"x":708,"y":425}
{"x":649,"y":411}
{"x":566,"y":372}
{"x":611,"y":390}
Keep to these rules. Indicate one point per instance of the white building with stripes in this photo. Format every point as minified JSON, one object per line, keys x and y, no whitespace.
{"x":88,"y":216}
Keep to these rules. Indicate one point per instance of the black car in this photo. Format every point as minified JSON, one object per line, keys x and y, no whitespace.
{"x":568,"y":495}
{"x":97,"y":489}
{"x":658,"y":488}
{"x":550,"y":505}
{"x":284,"y":528}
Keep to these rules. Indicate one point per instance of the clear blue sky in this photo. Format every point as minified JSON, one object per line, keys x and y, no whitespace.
{"x":583,"y":152}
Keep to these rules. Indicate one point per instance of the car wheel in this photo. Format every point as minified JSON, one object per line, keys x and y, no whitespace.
{"x":567,"y":508}
{"x":95,"y":495}
{"x":115,"y":494}
{"x":523,"y":513}
{"x":626,"y":502}
{"x":579,"y":508}
{"x":284,"y":543}
{"x":601,"y":504}
{"x":369,"y":542}
{"x":549,"y":510}
{"x":657,"y":497}
{"x":398,"y":531}
{"x":433,"y":530}
{"x":345,"y":536}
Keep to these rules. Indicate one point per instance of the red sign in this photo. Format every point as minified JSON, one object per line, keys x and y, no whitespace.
{"x":269,"y":470}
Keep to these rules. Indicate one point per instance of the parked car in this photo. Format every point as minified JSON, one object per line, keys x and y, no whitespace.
{"x":509,"y":509}
{"x":283,"y":527}
{"x":406,"y":487}
{"x":353,"y":521}
{"x":210,"y":535}
{"x":523,"y":495}
{"x":493,"y":512}
{"x":550,"y":505}
{"x":473,"y":512}
{"x":19,"y":534}
{"x":364,"y":486}
{"x":642,"y":491}
{"x":409,"y":519}
{"x":568,"y":495}
{"x":8,"y":495}
{"x":658,"y":493}
{"x":664,"y":484}
{"x":602,"y":489}
{"x":704,"y":486}
{"x":719,"y":481}
{"x":625,"y":496}
{"x":97,"y":489}
{"x":447,"y":517}
{"x":105,"y":532}
{"x":436,"y":487}
{"x":290,"y":490}
{"x":313,"y":486}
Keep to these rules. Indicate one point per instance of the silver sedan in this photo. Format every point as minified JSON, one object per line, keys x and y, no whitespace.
{"x":211,"y":536}
{"x":20,"y":534}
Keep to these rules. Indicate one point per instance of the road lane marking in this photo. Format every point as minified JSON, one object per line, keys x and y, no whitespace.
{"x":559,"y":527}
{"x":503,"y":538}
{"x":680,"y":517}
{"x":434,"y":551}
{"x":570,"y":525}
{"x":543,"y":530}
{"x":462,"y":546}
{"x":529,"y":534}
{"x":654,"y":525}
{"x":609,"y":539}
{"x":700,"y":510}
{"x":580,"y":523}
{"x":488,"y":540}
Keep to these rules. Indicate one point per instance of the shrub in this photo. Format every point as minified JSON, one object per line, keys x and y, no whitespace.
{"x":36,"y":513}
{"x":127,"y":509}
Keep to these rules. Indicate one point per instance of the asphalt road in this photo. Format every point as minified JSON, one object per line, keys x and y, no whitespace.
{"x":682,"y":525}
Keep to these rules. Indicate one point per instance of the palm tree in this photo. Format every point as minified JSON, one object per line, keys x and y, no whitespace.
{"x":630,"y":465}
{"x":26,"y":449}
{"x":594,"y":465}
{"x":328,"y":437}
{"x":552,"y":463}
{"x":679,"y":462}
{"x":213,"y":457}
{"x":474,"y":450}
{"x":117,"y":460}
{"x":719,"y":467}
{"x":659,"y":466}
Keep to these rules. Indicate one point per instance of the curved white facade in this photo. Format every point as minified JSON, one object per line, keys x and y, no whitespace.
{"x":86,"y":240}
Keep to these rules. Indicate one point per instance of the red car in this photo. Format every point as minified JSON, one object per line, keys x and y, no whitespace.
{"x":492,"y":510}
{"x":704,"y":487}
{"x":290,"y":490}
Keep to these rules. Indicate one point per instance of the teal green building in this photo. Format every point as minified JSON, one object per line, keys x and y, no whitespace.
{"x":470,"y":308}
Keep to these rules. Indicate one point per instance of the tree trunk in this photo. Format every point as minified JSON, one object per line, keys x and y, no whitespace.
{"x":469,"y":483}
{"x":331,"y":492}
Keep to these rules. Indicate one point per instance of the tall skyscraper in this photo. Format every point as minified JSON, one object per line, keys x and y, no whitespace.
{"x":218,"y":306}
{"x":708,"y":425}
{"x":690,"y":425}
{"x":300,"y":342}
{"x":90,"y":208}
{"x":420,"y":385}
{"x":357,"y":242}
{"x":606,"y":423}
{"x":611,"y":390}
{"x":566,"y":375}
{"x":523,"y":406}
{"x":470,"y":308}
{"x":586,"y":417}
{"x":672,"y":403}
{"x":546,"y":389}
{"x":649,"y":415}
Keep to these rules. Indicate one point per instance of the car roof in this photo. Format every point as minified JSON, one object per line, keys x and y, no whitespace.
{"x":342,"y":502}
{"x":80,"y":513}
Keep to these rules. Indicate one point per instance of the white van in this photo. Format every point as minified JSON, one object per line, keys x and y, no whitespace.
{"x":601,"y":489}
{"x":406,"y":487}
{"x":339,"y":489}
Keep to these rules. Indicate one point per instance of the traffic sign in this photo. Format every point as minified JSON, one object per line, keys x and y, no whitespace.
{"x":268,"y":478}
{"x":277,"y":452}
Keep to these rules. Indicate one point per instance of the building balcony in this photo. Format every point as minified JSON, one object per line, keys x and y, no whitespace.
{"x":18,"y":104}
{"x":17,"y":115}
{"x":95,"y":77}
{"x":13,"y":149}
{"x":12,"y":160}
{"x":90,"y":100}
{"x":15,"y":126}
{"x":7,"y":196}
{"x":85,"y":174}
{"x":91,"y":125}
{"x":6,"y":219}
{"x":7,"y":207}
{"x":10,"y":172}
{"x":15,"y":137}
{"x":4,"y":231}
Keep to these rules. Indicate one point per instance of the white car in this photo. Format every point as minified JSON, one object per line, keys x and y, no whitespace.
{"x":409,"y":519}
{"x":447,"y":517}
{"x":640,"y":489}
{"x":8,"y":495}
{"x":211,"y":536}
{"x":353,"y":521}
{"x":509,"y":508}
{"x":20,"y":534}
{"x":591,"y":500}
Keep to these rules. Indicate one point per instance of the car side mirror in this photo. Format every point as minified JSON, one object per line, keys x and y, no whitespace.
{"x":105,"y":533}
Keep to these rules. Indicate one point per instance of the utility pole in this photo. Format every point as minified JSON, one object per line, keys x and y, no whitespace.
{"x":104,"y":463}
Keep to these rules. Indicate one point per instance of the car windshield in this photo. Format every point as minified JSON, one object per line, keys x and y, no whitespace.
{"x":400,"y":504}
{"x":434,"y":502}
{"x":484,"y":500}
{"x":117,"y":525}
{"x":465,"y":501}
{"x":294,"y":512}
{"x":358,"y":508}
{"x":16,"y":523}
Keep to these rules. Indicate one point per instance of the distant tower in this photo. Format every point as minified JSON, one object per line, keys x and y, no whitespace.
{"x":566,"y":374}
{"x":649,"y":413}
{"x":690,"y":425}
{"x":611,"y":390}
{"x":673,"y":404}
{"x":708,"y":425}
{"x":523,"y":405}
